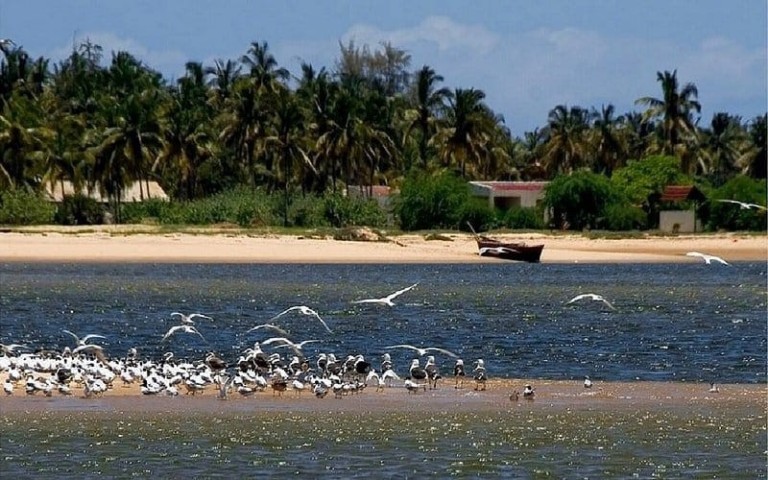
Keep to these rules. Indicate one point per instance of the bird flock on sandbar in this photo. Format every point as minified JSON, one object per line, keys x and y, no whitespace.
{"x":282,"y":367}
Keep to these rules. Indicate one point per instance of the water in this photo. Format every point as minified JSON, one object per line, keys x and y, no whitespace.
{"x":685,"y":323}
{"x":689,"y":322}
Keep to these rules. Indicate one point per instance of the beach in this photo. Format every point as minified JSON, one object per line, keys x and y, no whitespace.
{"x":143,"y":244}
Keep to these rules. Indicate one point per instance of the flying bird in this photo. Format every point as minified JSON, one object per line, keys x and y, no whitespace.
{"x":423,"y":351}
{"x":591,"y":296}
{"x":388,"y":299}
{"x":187,"y":319}
{"x":269,"y":326}
{"x":744,"y":205}
{"x":707,"y":258}
{"x":181,"y":328}
{"x":83,"y":341}
{"x":284,"y":342}
{"x":304,"y":310}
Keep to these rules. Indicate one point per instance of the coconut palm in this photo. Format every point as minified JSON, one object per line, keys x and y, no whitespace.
{"x":675,"y":109}
{"x":263,"y":67}
{"x":721,"y":146}
{"x":566,"y":147}
{"x":429,"y":100}
{"x":754,"y":160}
{"x":609,"y":150}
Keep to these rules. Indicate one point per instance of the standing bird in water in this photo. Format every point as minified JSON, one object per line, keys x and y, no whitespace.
{"x":480,"y":375}
{"x":528,"y":392}
{"x":433,"y":375}
{"x":458,"y":373}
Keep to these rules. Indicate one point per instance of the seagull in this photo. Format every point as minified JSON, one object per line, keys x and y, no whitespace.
{"x":591,"y":296}
{"x":9,"y":349}
{"x":707,"y":258}
{"x":713,"y":388}
{"x":304,"y":310}
{"x":423,"y":351}
{"x":744,"y":205}
{"x":269,"y":326}
{"x":388,"y":299}
{"x":284,"y":342}
{"x":181,"y":328}
{"x":587,"y":382}
{"x":528,"y":392}
{"x":83,"y":341}
{"x":187,"y":319}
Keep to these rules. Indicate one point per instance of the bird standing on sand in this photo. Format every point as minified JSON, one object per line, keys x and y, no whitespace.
{"x":591,"y":296}
{"x":708,"y":259}
{"x":587,"y":382}
{"x":388,"y":299}
{"x":458,"y":373}
{"x":479,"y":374}
{"x":528,"y":392}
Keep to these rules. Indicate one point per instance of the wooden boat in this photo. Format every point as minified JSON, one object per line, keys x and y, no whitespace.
{"x":518,"y":251}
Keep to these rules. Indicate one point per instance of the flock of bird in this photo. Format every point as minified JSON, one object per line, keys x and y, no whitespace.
{"x":86,"y":365}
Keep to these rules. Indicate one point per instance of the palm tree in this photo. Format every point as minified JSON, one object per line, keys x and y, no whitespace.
{"x":721,"y":147}
{"x":566,"y":147}
{"x":462,"y":139}
{"x":675,"y":109}
{"x":754,"y":161}
{"x":223,"y":77}
{"x":263,"y":67}
{"x":428,"y":101}
{"x":609,"y":149}
{"x":23,"y":140}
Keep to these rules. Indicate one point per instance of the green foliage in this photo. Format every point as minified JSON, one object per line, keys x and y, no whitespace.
{"x":523,"y":219}
{"x":640,"y":179}
{"x":341,"y":211}
{"x":730,"y":216}
{"x":22,"y":207}
{"x":623,"y":217}
{"x":476,"y":212}
{"x":427,"y":202}
{"x":79,"y":210}
{"x":579,"y":200}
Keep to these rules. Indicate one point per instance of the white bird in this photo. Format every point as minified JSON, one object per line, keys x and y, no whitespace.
{"x":591,"y":296}
{"x":8,"y":387}
{"x":284,"y":342}
{"x":423,"y":351}
{"x":304,"y":310}
{"x":83,"y":341}
{"x":713,"y":388}
{"x":388,"y":299}
{"x":587,"y":382}
{"x":187,"y":319}
{"x":707,"y":258}
{"x":10,"y":348}
{"x":181,"y":328}
{"x":269,"y":326}
{"x":744,"y":205}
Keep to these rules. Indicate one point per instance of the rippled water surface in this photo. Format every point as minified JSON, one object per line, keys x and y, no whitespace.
{"x":689,"y":322}
{"x":672,"y":322}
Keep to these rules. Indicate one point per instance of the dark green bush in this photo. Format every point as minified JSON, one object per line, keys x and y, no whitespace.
{"x":427,"y":202}
{"x":345,"y":211}
{"x":623,"y":217}
{"x":524,"y":218}
{"x":21,"y":207}
{"x":79,"y":210}
{"x":578,"y":201}
{"x":479,"y":214}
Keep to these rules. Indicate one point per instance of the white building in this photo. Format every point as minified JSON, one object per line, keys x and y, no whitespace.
{"x":508,"y":195}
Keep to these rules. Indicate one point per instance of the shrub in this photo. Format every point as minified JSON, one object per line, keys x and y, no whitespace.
{"x":427,"y":202}
{"x":79,"y":210}
{"x":22,"y":207}
{"x":523,"y":218}
{"x":578,"y":200}
{"x":476,"y":212}
{"x":341,"y":211}
{"x":623,"y":217}
{"x":729,"y":216}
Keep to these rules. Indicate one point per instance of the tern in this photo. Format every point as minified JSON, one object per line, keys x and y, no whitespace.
{"x":304,"y":310}
{"x":83,"y":341}
{"x":388,"y":299}
{"x":591,"y":296}
{"x":744,"y":205}
{"x":187,"y":319}
{"x":423,"y":351}
{"x":707,"y":258}
{"x":181,"y":328}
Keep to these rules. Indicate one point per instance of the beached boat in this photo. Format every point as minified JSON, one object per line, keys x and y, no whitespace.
{"x":519,"y":251}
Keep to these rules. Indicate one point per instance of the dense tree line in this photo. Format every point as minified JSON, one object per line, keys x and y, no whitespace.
{"x":370,"y":119}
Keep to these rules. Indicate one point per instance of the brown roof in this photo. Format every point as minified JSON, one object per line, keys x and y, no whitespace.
{"x":678,"y":193}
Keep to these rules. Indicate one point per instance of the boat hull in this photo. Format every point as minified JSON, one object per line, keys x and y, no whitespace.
{"x":520,"y":252}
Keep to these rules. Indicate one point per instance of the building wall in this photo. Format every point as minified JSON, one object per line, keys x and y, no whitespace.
{"x":678,"y":221}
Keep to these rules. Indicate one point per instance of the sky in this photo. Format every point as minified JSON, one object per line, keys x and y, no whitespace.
{"x":527,"y":56}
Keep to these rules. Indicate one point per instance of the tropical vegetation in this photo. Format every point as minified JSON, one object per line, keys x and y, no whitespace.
{"x":246,"y":141}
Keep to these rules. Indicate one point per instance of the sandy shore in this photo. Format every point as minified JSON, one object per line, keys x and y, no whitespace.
{"x":124,"y":244}
{"x":553,"y":395}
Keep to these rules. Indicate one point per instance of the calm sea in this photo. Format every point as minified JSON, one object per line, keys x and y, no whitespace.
{"x":682,"y":322}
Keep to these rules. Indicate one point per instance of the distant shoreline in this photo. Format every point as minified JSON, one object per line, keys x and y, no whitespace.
{"x":122,"y":244}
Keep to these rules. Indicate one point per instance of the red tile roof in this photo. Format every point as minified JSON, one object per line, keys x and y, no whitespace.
{"x":678,"y":193}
